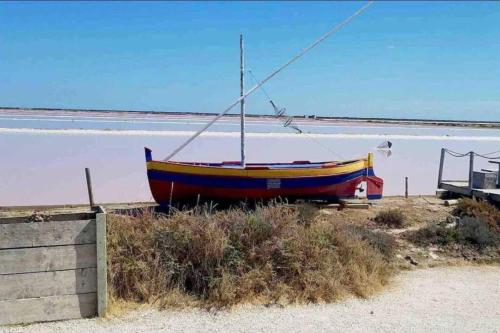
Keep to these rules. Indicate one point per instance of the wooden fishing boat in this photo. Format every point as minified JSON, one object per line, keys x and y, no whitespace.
{"x":181,"y":181}
{"x":186,"y":181}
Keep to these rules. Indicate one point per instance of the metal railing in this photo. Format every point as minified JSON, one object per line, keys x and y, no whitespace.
{"x":471,"y":156}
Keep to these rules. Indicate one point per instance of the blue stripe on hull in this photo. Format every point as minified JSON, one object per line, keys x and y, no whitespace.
{"x":241,"y":182}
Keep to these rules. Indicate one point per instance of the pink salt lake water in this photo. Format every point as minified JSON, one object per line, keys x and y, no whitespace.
{"x":43,"y":154}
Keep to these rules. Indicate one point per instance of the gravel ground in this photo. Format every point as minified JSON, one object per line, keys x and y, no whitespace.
{"x":449,"y":299}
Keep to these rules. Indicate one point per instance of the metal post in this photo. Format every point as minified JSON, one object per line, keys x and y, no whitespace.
{"x":441,"y":165}
{"x":406,"y":187}
{"x":471,"y":169}
{"x":89,"y":187}
{"x":498,"y":176}
{"x":242,"y":102}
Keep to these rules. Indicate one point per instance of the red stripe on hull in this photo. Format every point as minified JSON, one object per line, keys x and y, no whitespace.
{"x":161,"y":191}
{"x":375,"y":187}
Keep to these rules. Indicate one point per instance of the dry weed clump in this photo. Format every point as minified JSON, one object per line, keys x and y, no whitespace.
{"x":393,"y":218}
{"x":220,"y":258}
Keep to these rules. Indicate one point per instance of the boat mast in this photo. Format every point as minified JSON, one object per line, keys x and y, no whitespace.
{"x":269,"y":77}
{"x":242,"y":102}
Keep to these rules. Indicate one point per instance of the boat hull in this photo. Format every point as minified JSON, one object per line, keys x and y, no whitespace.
{"x":175,"y":181}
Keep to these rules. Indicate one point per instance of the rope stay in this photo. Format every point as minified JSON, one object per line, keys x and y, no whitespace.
{"x":280,"y":113}
{"x":270,"y":76}
{"x":288,"y":121}
{"x":486,"y":156}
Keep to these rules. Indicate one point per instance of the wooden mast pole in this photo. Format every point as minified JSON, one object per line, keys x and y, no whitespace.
{"x":89,"y":188}
{"x":269,"y":77}
{"x":242,"y":102}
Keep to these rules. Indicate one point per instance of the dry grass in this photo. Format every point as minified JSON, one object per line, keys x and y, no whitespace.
{"x":393,"y":218}
{"x":386,"y":244}
{"x":275,"y":253}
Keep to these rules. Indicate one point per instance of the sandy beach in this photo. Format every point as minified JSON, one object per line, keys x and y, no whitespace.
{"x":458,"y":299}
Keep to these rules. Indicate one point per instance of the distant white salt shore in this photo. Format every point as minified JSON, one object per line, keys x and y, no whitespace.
{"x":100,"y":132}
{"x":150,"y":116}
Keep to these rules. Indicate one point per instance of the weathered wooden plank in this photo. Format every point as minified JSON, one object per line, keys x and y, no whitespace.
{"x":349,"y":206}
{"x":63,"y":217}
{"x":29,"y":285}
{"x":102,"y":278}
{"x":30,"y":310}
{"x":456,"y":187}
{"x":442,"y":194}
{"x":47,"y":233}
{"x":44,"y":259}
{"x":450,"y":202}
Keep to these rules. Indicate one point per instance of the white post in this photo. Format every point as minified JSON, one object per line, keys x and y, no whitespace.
{"x":242,"y":102}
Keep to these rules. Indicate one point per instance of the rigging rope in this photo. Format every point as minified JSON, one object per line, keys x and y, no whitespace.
{"x":280,"y":113}
{"x":270,"y":76}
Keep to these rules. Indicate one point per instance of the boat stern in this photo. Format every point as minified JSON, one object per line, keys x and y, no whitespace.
{"x":375,"y":185}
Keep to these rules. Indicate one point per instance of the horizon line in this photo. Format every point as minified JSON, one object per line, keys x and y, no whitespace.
{"x":254,"y":115}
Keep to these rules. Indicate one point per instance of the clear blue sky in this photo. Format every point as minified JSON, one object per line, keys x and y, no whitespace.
{"x":406,"y":60}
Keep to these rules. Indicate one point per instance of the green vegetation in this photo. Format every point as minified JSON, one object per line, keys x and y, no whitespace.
{"x":275,"y":253}
{"x":479,"y":209}
{"x":476,"y":224}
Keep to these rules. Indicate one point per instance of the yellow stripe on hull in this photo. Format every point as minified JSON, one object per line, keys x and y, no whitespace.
{"x":334,"y":169}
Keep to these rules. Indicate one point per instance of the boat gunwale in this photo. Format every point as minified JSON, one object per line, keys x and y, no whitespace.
{"x":236,"y":166}
{"x":324,"y":170}
{"x":232,"y":169}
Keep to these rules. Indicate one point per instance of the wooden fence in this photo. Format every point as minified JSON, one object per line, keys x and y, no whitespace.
{"x":53,"y":269}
